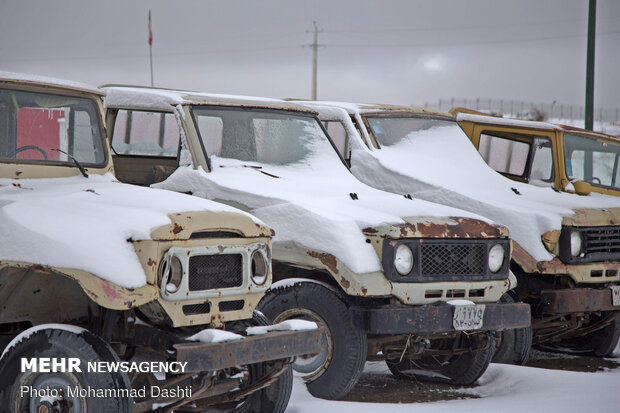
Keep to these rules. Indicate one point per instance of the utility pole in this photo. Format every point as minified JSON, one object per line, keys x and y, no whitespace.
{"x":315,"y":47}
{"x":151,"y":47}
{"x":589,"y":121}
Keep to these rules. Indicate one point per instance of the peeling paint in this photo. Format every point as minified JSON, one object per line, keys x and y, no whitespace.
{"x":345,"y":283}
{"x":328,"y":259}
{"x":177,"y":228}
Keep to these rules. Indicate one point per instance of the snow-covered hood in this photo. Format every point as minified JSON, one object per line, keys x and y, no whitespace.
{"x":88,"y":223}
{"x":441,"y":165}
{"x":319,"y":205}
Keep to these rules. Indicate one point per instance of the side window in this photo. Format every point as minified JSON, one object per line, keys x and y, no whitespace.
{"x":146,"y":133}
{"x":338,"y":134}
{"x":504,"y":155}
{"x":542,"y":160}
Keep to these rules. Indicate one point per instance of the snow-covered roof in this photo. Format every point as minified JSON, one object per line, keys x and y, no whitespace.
{"x":48,"y":81}
{"x":441,"y":165}
{"x":494,"y":120}
{"x":353,"y":108}
{"x":85,"y":223}
{"x":531,"y":124}
{"x":167,"y":99}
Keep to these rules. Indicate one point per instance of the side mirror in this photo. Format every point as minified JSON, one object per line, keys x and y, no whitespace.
{"x":582,"y":187}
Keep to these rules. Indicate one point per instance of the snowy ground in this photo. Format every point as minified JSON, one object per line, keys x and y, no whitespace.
{"x":502,"y":388}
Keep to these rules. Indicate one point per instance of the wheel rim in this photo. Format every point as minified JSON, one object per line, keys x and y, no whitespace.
{"x":48,"y":394}
{"x":311,"y":366}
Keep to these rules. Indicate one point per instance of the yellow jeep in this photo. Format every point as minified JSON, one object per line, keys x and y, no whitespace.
{"x":569,"y":159}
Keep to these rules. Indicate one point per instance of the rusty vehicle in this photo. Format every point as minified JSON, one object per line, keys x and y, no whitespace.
{"x":566,"y":248}
{"x":390,"y":278}
{"x":94,"y":270}
{"x":565,"y":157}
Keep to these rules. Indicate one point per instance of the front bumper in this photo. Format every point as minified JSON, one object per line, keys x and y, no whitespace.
{"x":435,"y":318}
{"x":249,"y":350}
{"x":576,"y":300}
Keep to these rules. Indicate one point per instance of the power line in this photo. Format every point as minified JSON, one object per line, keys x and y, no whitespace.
{"x":315,"y":45}
{"x":466,"y":43}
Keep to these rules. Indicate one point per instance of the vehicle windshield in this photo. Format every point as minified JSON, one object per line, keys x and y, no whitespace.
{"x":262,"y":136}
{"x":590,"y":160}
{"x":388,"y":131}
{"x":47,"y":128}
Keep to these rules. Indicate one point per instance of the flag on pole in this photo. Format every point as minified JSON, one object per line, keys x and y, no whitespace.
{"x":150,"y":31}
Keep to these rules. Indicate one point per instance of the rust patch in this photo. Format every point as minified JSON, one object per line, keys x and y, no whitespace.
{"x":370,"y":230}
{"x":345,"y":283}
{"x":465,"y":228}
{"x":38,"y":268}
{"x":109,"y":290}
{"x":150,"y":262}
{"x":327,"y":259}
{"x":177,"y":228}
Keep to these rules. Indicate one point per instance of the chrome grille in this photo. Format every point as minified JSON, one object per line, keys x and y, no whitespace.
{"x":208,"y":272}
{"x":453,"y":258}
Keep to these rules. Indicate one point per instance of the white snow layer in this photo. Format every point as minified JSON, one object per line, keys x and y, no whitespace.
{"x":86,"y":223}
{"x":27,"y":333}
{"x":502,"y":388}
{"x":493,"y":120}
{"x":441,"y":165}
{"x":212,"y":335}
{"x":48,"y":80}
{"x":288,"y":325}
{"x":460,"y":302}
{"x":308,"y":203}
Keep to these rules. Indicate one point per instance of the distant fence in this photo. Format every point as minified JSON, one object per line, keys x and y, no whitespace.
{"x":519,"y":108}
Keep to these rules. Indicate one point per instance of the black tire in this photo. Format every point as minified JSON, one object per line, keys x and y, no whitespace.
{"x":54,"y":342}
{"x":463,"y":369}
{"x":599,"y":343}
{"x":515,"y":345}
{"x":339,"y":365}
{"x":605,"y":340}
{"x":273,"y":398}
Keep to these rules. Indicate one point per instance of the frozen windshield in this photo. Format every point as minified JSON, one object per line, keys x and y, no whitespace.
{"x":587,"y":159}
{"x":262,"y":136}
{"x":47,"y":128}
{"x":389,"y":131}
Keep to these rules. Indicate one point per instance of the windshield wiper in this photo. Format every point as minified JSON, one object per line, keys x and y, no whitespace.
{"x":80,"y":167}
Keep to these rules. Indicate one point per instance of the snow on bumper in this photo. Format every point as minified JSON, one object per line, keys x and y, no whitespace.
{"x":253,"y":349}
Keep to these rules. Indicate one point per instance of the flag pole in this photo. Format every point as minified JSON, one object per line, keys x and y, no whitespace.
{"x":151,"y":47}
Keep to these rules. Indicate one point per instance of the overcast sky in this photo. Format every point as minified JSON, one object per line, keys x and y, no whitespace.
{"x":387,"y":51}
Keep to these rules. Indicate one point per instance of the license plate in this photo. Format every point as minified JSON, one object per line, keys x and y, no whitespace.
{"x":468,"y":317}
{"x":615,"y":295}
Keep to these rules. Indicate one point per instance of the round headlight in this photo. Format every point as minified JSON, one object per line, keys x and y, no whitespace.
{"x":575,"y":243}
{"x":175,"y":274}
{"x":496,"y":257}
{"x":403,"y":259}
{"x":260,"y":268}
